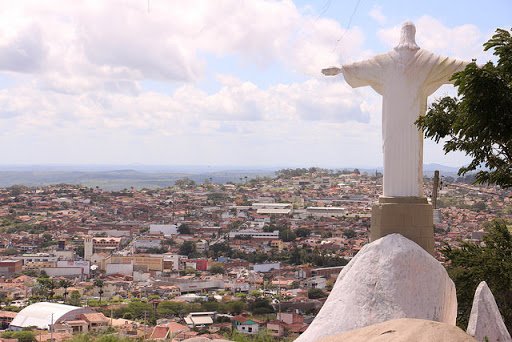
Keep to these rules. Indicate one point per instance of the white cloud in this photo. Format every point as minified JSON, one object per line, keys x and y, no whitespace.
{"x":377,"y":15}
{"x":312,"y":100}
{"x":78,"y":70}
{"x":99,"y":40}
{"x":464,"y":41}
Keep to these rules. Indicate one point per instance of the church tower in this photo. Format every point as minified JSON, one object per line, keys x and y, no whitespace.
{"x":88,"y":248}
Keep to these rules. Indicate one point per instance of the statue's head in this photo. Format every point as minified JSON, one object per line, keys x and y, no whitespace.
{"x":407,"y":37}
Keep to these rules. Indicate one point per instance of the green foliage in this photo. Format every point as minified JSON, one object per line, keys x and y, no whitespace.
{"x":261,"y":336}
{"x":479,"y":121}
{"x":10,"y":251}
{"x":169,"y":309}
{"x":101,"y":338}
{"x":261,"y":306}
{"x":349,"y":233}
{"x":216,"y":197}
{"x":185,"y":183}
{"x":303,"y":232}
{"x":470,"y":264}
{"x":17,"y":189}
{"x":299,"y":256}
{"x":45,"y":287}
{"x":22,"y":336}
{"x":220,"y":249}
{"x":235,"y":307}
{"x":137,"y":310}
{"x":187,"y":248}
{"x":217,"y":269}
{"x":287,"y":235}
{"x":81,"y":338}
{"x":184,"y":229}
{"x":290,"y":173}
{"x":316,"y":293}
{"x":74,"y":298}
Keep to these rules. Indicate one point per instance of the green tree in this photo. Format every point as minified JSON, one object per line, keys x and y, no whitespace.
{"x":65,"y":284}
{"x":316,"y":293}
{"x":492,"y":262}
{"x":45,"y":287}
{"x":187,"y":248}
{"x":303,"y":232}
{"x":287,"y":235}
{"x":478,"y":121}
{"x":185,"y":183}
{"x":260,"y":306}
{"x":99,"y":284}
{"x":21,"y":336}
{"x":169,"y":309}
{"x":217,"y":269}
{"x":75,"y":298}
{"x":184,"y":229}
{"x":261,"y":336}
{"x":236,"y":307}
{"x":3,"y":297}
{"x":349,"y":233}
{"x":220,"y":249}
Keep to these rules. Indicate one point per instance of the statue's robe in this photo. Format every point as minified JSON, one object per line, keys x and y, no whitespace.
{"x":405,"y":78}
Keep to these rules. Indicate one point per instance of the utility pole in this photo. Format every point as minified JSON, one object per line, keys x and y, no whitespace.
{"x":434,"y":190}
{"x":279,"y":291}
{"x":51,"y":329}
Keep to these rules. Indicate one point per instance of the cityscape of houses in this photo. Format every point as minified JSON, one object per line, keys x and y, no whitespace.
{"x":259,"y":255}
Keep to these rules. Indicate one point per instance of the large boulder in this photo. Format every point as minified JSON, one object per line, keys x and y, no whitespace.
{"x":389,"y":278}
{"x":485,"y":320}
{"x":403,"y":330}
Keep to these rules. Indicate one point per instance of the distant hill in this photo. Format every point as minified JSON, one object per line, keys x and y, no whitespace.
{"x":121,"y":179}
{"x":140,"y":176}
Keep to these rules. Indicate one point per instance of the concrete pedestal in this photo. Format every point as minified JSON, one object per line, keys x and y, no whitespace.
{"x":411,"y":217}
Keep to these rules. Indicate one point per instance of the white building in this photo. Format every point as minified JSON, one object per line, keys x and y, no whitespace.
{"x":255,"y":234}
{"x":266,"y":267}
{"x":326,"y":211}
{"x":257,"y":206}
{"x":43,"y":314}
{"x":200,"y":319}
{"x":317,"y":282}
{"x":166,"y":229}
{"x":36,"y":258}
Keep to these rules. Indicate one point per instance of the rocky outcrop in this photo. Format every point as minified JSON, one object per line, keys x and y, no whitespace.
{"x":485,"y":320}
{"x":389,"y":278}
{"x":403,"y":330}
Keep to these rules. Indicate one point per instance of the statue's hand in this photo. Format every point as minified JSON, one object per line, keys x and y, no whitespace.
{"x":332,"y":71}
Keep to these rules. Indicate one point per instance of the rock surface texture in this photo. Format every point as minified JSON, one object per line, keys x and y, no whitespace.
{"x":389,"y":278}
{"x":485,"y":319}
{"x":403,"y":330}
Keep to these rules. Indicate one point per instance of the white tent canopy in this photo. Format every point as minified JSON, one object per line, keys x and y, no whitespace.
{"x":40,"y":315}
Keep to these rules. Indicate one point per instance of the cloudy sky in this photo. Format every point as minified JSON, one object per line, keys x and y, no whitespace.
{"x":227,"y":82}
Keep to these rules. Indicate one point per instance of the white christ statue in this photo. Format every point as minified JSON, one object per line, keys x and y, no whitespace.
{"x":405,"y":77}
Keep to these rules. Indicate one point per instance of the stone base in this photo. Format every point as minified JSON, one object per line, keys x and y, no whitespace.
{"x":411,"y":217}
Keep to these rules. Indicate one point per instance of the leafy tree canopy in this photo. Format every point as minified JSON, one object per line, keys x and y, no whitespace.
{"x":478,"y":121}
{"x":184,"y":229}
{"x":471,"y":263}
{"x":316,"y":293}
{"x":187,"y":248}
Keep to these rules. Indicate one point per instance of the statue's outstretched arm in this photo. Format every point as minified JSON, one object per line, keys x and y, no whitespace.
{"x":332,"y":71}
